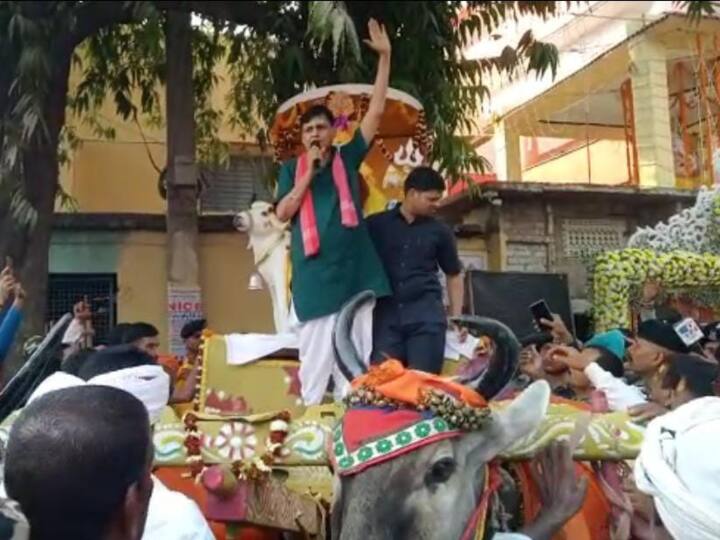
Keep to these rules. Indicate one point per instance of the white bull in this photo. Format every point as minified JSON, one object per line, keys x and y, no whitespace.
{"x":269,"y":239}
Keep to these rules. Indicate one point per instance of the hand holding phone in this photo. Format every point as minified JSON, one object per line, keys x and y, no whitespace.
{"x":541,"y":312}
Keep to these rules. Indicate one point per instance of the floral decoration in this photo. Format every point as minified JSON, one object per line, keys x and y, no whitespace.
{"x":617,"y":274}
{"x":237,"y":442}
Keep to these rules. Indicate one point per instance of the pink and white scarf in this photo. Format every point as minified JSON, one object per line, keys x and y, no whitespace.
{"x":308,"y":221}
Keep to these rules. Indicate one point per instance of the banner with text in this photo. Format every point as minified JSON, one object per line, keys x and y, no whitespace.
{"x":184,"y":304}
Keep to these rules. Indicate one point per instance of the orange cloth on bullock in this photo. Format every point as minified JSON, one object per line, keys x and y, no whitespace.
{"x":395,"y":382}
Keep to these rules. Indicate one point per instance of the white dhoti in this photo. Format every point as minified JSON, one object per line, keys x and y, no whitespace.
{"x":317,"y":356}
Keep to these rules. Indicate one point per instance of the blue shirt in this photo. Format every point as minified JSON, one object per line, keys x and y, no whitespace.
{"x":412,"y":253}
{"x":10,"y":320}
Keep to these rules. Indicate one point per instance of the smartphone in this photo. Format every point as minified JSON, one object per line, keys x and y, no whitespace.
{"x":540,"y":310}
{"x":688,"y":331}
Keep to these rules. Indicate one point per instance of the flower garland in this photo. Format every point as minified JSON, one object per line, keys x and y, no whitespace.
{"x":200,"y":383}
{"x":618,"y":273}
{"x":256,"y":468}
{"x":457,"y":414}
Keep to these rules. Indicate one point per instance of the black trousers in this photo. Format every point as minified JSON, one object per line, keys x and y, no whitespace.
{"x":419,"y":346}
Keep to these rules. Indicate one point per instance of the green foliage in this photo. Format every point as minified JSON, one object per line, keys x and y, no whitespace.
{"x":330,"y":20}
{"x":25,"y":68}
{"x":696,"y":9}
{"x":273,"y":50}
{"x":118,"y":62}
{"x":321,"y":45}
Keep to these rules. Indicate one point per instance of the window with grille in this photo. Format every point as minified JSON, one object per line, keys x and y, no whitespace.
{"x":587,"y":237}
{"x":65,"y":290}
{"x":232,"y":188}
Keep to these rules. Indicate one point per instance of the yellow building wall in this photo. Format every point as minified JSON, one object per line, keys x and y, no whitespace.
{"x":608,"y":165}
{"x":115,"y":176}
{"x":141,"y":280}
{"x":226,"y":266}
{"x":225,"y":272}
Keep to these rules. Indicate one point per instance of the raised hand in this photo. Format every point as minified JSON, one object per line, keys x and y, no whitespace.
{"x":568,"y":356}
{"x":561,"y":492}
{"x":82,"y":310}
{"x":7,"y":284}
{"x":378,"y":39}
{"x":19,"y":294}
{"x":557,"y":328}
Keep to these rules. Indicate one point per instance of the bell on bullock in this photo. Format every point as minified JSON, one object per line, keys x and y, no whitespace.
{"x":256,"y":282}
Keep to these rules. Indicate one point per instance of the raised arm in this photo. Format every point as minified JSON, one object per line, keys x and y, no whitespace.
{"x":380,"y":43}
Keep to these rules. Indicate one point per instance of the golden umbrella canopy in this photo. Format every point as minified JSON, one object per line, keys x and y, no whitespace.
{"x":402,"y":141}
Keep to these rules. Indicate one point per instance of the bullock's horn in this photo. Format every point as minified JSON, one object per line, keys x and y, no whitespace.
{"x":504,"y":362}
{"x":346,"y":355}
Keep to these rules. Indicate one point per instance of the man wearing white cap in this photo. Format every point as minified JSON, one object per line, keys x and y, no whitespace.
{"x":171,"y":515}
{"x":677,"y":466}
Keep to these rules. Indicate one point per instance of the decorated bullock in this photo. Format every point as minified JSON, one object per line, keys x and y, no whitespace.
{"x":415,"y":454}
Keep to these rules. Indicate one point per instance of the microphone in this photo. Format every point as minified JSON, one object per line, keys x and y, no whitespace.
{"x":316,"y":161}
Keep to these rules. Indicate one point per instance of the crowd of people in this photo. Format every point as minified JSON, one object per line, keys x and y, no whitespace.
{"x":662,"y":382}
{"x":105,"y":400}
{"x":78,"y":462}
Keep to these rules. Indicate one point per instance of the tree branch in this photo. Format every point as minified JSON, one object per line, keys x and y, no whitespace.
{"x":244,"y":13}
{"x":93,"y":16}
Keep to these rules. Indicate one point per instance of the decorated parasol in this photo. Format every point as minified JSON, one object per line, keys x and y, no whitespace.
{"x":402,"y":142}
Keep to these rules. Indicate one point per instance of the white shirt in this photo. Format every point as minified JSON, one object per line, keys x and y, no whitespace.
{"x":173,"y":516}
{"x":510,"y":536}
{"x":619,"y":394}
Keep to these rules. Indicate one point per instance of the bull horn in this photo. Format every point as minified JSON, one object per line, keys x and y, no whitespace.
{"x":504,"y":361}
{"x":346,"y":354}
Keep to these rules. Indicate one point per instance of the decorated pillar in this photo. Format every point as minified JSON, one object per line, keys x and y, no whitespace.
{"x":651,"y":100}
{"x":508,"y":165}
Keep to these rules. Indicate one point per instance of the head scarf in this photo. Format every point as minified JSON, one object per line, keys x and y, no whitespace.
{"x":150,"y":384}
{"x":678,"y":467}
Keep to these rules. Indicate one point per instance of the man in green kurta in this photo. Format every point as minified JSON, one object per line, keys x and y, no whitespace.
{"x":332,"y":255}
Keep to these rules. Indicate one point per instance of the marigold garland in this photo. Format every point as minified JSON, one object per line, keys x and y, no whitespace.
{"x":617,"y":273}
{"x":457,"y":414}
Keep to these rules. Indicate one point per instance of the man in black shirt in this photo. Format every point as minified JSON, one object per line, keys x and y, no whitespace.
{"x":412,"y":245}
